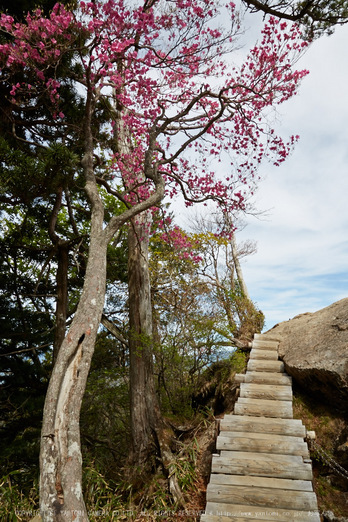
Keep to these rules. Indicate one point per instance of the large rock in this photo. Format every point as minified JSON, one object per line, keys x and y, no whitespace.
{"x":314,"y":348}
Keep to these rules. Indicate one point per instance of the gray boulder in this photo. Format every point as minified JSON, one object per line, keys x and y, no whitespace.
{"x":314,"y":348}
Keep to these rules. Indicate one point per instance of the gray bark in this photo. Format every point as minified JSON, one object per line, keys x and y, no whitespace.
{"x":142,"y":390}
{"x":148,"y":428}
{"x":61,"y":496}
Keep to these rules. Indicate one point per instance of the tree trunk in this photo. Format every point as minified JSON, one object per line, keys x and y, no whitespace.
{"x":143,"y":399}
{"x":61,"y":498}
{"x":238,"y":268}
{"x":148,"y":429}
{"x":60,"y":457}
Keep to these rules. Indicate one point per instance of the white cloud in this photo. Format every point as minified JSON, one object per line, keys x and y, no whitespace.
{"x":302,"y":259}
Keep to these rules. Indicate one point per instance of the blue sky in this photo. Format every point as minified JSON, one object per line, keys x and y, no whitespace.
{"x":301,"y":264}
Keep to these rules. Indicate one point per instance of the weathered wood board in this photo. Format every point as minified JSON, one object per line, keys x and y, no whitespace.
{"x":264,"y":391}
{"x":264,"y":378}
{"x":262,"y":497}
{"x":264,"y":354}
{"x":292,"y":427}
{"x":264,"y":408}
{"x":257,"y":365}
{"x":259,"y":436}
{"x":240,"y":455}
{"x":261,"y":344}
{"x":262,"y":445}
{"x":262,"y":465}
{"x":266,"y":482}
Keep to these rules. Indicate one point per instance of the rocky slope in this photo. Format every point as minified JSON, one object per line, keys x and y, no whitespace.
{"x":314,"y":348}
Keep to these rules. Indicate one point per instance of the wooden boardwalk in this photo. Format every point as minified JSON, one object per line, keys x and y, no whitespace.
{"x":263,"y":470}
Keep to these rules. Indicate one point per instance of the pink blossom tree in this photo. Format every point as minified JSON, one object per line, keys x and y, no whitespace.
{"x":161,"y":73}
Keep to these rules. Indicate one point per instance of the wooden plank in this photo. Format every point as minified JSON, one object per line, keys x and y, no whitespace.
{"x":262,"y":497}
{"x":256,"y":365}
{"x":257,"y":435}
{"x":266,"y":337}
{"x":266,"y":482}
{"x":271,"y":355}
{"x":263,"y":408}
{"x":292,"y":427}
{"x":273,"y":458}
{"x":262,"y":467}
{"x":226,"y":512}
{"x":265,"y":391}
{"x":262,"y":445}
{"x":265,"y":344}
{"x":264,"y":378}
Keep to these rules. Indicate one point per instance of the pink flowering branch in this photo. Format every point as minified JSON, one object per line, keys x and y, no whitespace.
{"x":162,"y":67}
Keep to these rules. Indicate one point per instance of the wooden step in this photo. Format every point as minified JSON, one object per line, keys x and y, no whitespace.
{"x":264,"y":408}
{"x":220,"y":512}
{"x":265,"y":391}
{"x":263,"y":445}
{"x":271,"y":355}
{"x":256,"y":365}
{"x":266,"y":337}
{"x":265,"y":482}
{"x":264,"y":378}
{"x":264,"y":344}
{"x":269,"y":436}
{"x":264,"y":469}
{"x":261,"y":465}
{"x":291,"y":427}
{"x":262,"y":497}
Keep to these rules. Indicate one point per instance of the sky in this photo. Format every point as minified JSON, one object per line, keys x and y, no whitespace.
{"x":301,"y":263}
{"x":301,"y":234}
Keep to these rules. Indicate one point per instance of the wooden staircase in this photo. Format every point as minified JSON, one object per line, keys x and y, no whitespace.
{"x":263,"y":470}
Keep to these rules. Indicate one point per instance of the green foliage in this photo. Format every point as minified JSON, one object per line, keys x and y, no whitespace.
{"x":104,"y":422}
{"x":185,"y":464}
{"x":16,"y":502}
{"x":251,"y":320}
{"x":100,"y":494}
{"x":238,"y":361}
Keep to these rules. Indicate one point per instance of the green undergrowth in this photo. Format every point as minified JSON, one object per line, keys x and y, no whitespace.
{"x":107,"y":494}
{"x":330,"y":486}
{"x":108,"y":500}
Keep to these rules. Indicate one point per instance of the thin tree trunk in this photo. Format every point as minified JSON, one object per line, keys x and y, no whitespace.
{"x":238,"y":268}
{"x":62,"y":298}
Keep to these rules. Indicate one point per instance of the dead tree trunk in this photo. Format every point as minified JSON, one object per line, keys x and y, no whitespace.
{"x":238,"y":268}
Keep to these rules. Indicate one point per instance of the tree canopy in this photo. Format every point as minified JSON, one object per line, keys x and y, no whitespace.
{"x":317,"y":16}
